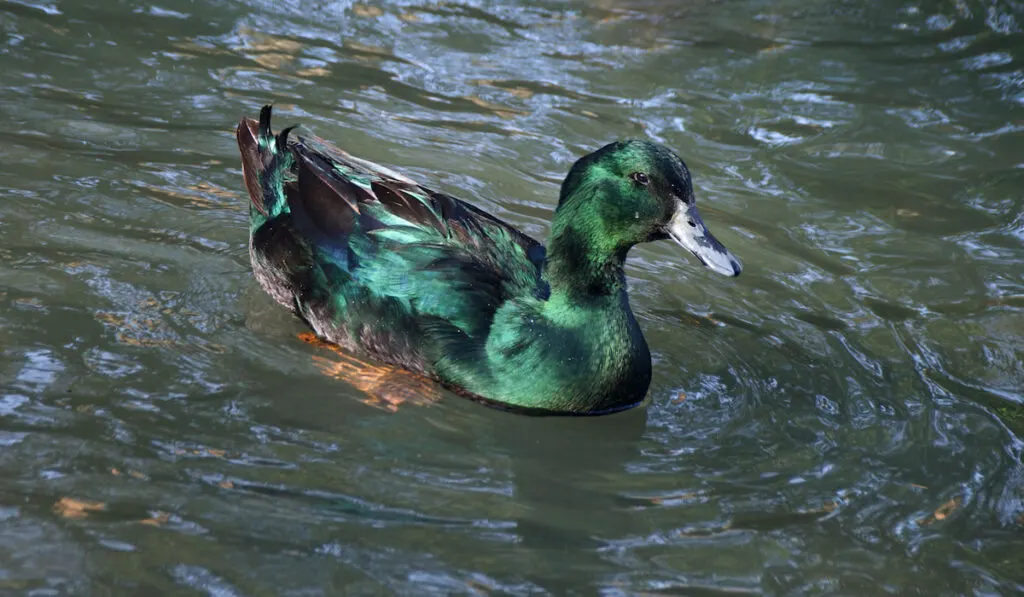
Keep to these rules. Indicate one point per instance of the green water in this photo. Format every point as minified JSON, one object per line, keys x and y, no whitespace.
{"x":845,"y":418}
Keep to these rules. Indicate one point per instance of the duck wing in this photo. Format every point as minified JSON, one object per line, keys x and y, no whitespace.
{"x":380,"y":242}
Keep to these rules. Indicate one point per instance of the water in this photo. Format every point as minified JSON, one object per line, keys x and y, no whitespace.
{"x":844,"y":418}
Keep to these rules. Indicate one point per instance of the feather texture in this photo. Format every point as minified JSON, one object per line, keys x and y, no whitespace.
{"x":379,"y":264}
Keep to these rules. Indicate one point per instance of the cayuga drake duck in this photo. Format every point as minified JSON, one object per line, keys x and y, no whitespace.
{"x":385,"y":267}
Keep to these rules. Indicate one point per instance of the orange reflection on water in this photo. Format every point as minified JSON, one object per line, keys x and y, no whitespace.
{"x":387,"y":387}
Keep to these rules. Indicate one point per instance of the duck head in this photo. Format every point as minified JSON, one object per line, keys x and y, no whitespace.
{"x":630,"y":192}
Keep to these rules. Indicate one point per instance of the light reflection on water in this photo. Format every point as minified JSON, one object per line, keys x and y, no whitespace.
{"x":843,"y":418}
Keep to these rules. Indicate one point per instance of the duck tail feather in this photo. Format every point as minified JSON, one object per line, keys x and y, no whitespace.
{"x":252,"y":165}
{"x":282,"y":138}
{"x":265,"y":161}
{"x":265,"y":134}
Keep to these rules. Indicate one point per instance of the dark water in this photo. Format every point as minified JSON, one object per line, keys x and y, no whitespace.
{"x":843,"y":419}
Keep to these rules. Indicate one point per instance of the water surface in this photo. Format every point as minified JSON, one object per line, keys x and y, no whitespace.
{"x":844,"y":418}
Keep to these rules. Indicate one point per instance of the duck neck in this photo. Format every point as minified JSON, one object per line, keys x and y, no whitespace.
{"x":589,"y":302}
{"x":582,"y":265}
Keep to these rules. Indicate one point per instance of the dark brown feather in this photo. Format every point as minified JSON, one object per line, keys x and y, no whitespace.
{"x":398,"y":202}
{"x":320,"y":165}
{"x":252,"y":165}
{"x":325,"y":204}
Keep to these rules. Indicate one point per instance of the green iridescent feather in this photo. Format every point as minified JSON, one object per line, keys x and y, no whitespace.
{"x":383,"y":266}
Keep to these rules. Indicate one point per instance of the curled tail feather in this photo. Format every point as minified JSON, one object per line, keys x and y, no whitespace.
{"x":265,"y":161}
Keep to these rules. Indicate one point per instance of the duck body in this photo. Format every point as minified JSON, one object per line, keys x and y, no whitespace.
{"x":385,"y":267}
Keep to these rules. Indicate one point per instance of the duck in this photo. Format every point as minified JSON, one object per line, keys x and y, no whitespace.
{"x":387,"y":268}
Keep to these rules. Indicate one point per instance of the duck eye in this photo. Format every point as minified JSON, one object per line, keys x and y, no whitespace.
{"x":640,"y":178}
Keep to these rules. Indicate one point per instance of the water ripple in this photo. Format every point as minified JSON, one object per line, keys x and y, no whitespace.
{"x":845,"y":417}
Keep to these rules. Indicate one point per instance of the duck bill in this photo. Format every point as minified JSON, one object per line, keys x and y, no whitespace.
{"x":687,"y":229}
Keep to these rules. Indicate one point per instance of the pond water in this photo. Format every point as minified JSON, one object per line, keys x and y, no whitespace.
{"x":844,"y":418}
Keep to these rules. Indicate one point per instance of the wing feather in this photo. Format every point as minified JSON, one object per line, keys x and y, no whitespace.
{"x":434,"y":253}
